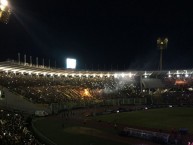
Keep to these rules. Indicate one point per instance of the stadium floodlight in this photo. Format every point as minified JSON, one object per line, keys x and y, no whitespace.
{"x":115,"y":75}
{"x":29,"y":72}
{"x":147,"y":74}
{"x":130,"y":74}
{"x":65,"y":74}
{"x":169,"y":74}
{"x":70,"y":63}
{"x":5,"y":11}
{"x":186,"y":73}
{"x":162,"y":43}
{"x":177,"y":74}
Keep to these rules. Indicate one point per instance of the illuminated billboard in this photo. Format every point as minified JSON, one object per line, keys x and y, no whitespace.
{"x":70,"y":63}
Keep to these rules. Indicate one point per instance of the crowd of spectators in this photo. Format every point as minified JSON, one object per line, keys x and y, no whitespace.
{"x":49,"y":89}
{"x":55,"y":89}
{"x":14,"y":130}
{"x":180,"y":96}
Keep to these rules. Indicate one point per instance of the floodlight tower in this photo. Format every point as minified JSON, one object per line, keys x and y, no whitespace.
{"x":5,"y":11}
{"x":162,"y":44}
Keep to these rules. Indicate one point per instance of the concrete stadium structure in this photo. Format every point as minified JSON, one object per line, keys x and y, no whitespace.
{"x":111,"y":83}
{"x":147,"y":79}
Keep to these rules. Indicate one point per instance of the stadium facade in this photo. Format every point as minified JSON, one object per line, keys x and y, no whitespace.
{"x":146,"y":79}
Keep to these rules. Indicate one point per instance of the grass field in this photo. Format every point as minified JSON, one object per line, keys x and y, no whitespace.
{"x":73,"y":132}
{"x":164,"y":118}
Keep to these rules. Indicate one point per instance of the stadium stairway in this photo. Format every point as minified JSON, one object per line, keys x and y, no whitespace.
{"x":18,"y":102}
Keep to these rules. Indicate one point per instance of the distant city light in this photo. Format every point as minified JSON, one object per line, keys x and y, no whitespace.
{"x":70,"y":63}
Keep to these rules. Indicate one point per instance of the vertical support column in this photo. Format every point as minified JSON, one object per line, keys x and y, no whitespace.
{"x":49,"y":63}
{"x":141,"y":87}
{"x":18,"y":58}
{"x":36,"y":61}
{"x":30,"y":60}
{"x":24,"y":59}
{"x":161,"y":51}
{"x":43,"y":62}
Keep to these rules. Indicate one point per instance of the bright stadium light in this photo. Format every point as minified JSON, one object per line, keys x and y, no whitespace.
{"x":4,"y":3}
{"x":29,"y":72}
{"x":5,"y":11}
{"x":70,"y":63}
{"x":130,"y":75}
{"x":123,"y":75}
{"x":162,"y":44}
{"x":186,"y":74}
{"x":169,"y":75}
{"x":145,"y":74}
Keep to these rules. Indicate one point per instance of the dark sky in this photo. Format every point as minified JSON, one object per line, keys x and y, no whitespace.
{"x":103,"y":33}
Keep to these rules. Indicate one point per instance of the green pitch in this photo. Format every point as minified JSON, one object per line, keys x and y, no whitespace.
{"x":72,"y":132}
{"x":164,"y":118}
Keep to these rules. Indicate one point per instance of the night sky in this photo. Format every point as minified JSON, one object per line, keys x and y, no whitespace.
{"x":100,"y":34}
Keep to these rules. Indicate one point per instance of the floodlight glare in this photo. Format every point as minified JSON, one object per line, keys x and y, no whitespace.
{"x":5,"y":11}
{"x":4,"y":3}
{"x":70,"y":63}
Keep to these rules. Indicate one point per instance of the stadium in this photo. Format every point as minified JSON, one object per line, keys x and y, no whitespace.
{"x":61,"y":93}
{"x":42,"y":105}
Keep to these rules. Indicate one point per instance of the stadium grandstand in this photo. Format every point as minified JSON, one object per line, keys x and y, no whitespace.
{"x":43,"y":85}
{"x":25,"y":89}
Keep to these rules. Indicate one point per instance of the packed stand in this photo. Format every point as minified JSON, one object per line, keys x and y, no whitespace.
{"x":14,"y":130}
{"x":47,"y":89}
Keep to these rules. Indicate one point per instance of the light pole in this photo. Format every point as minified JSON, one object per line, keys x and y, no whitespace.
{"x":162,"y":44}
